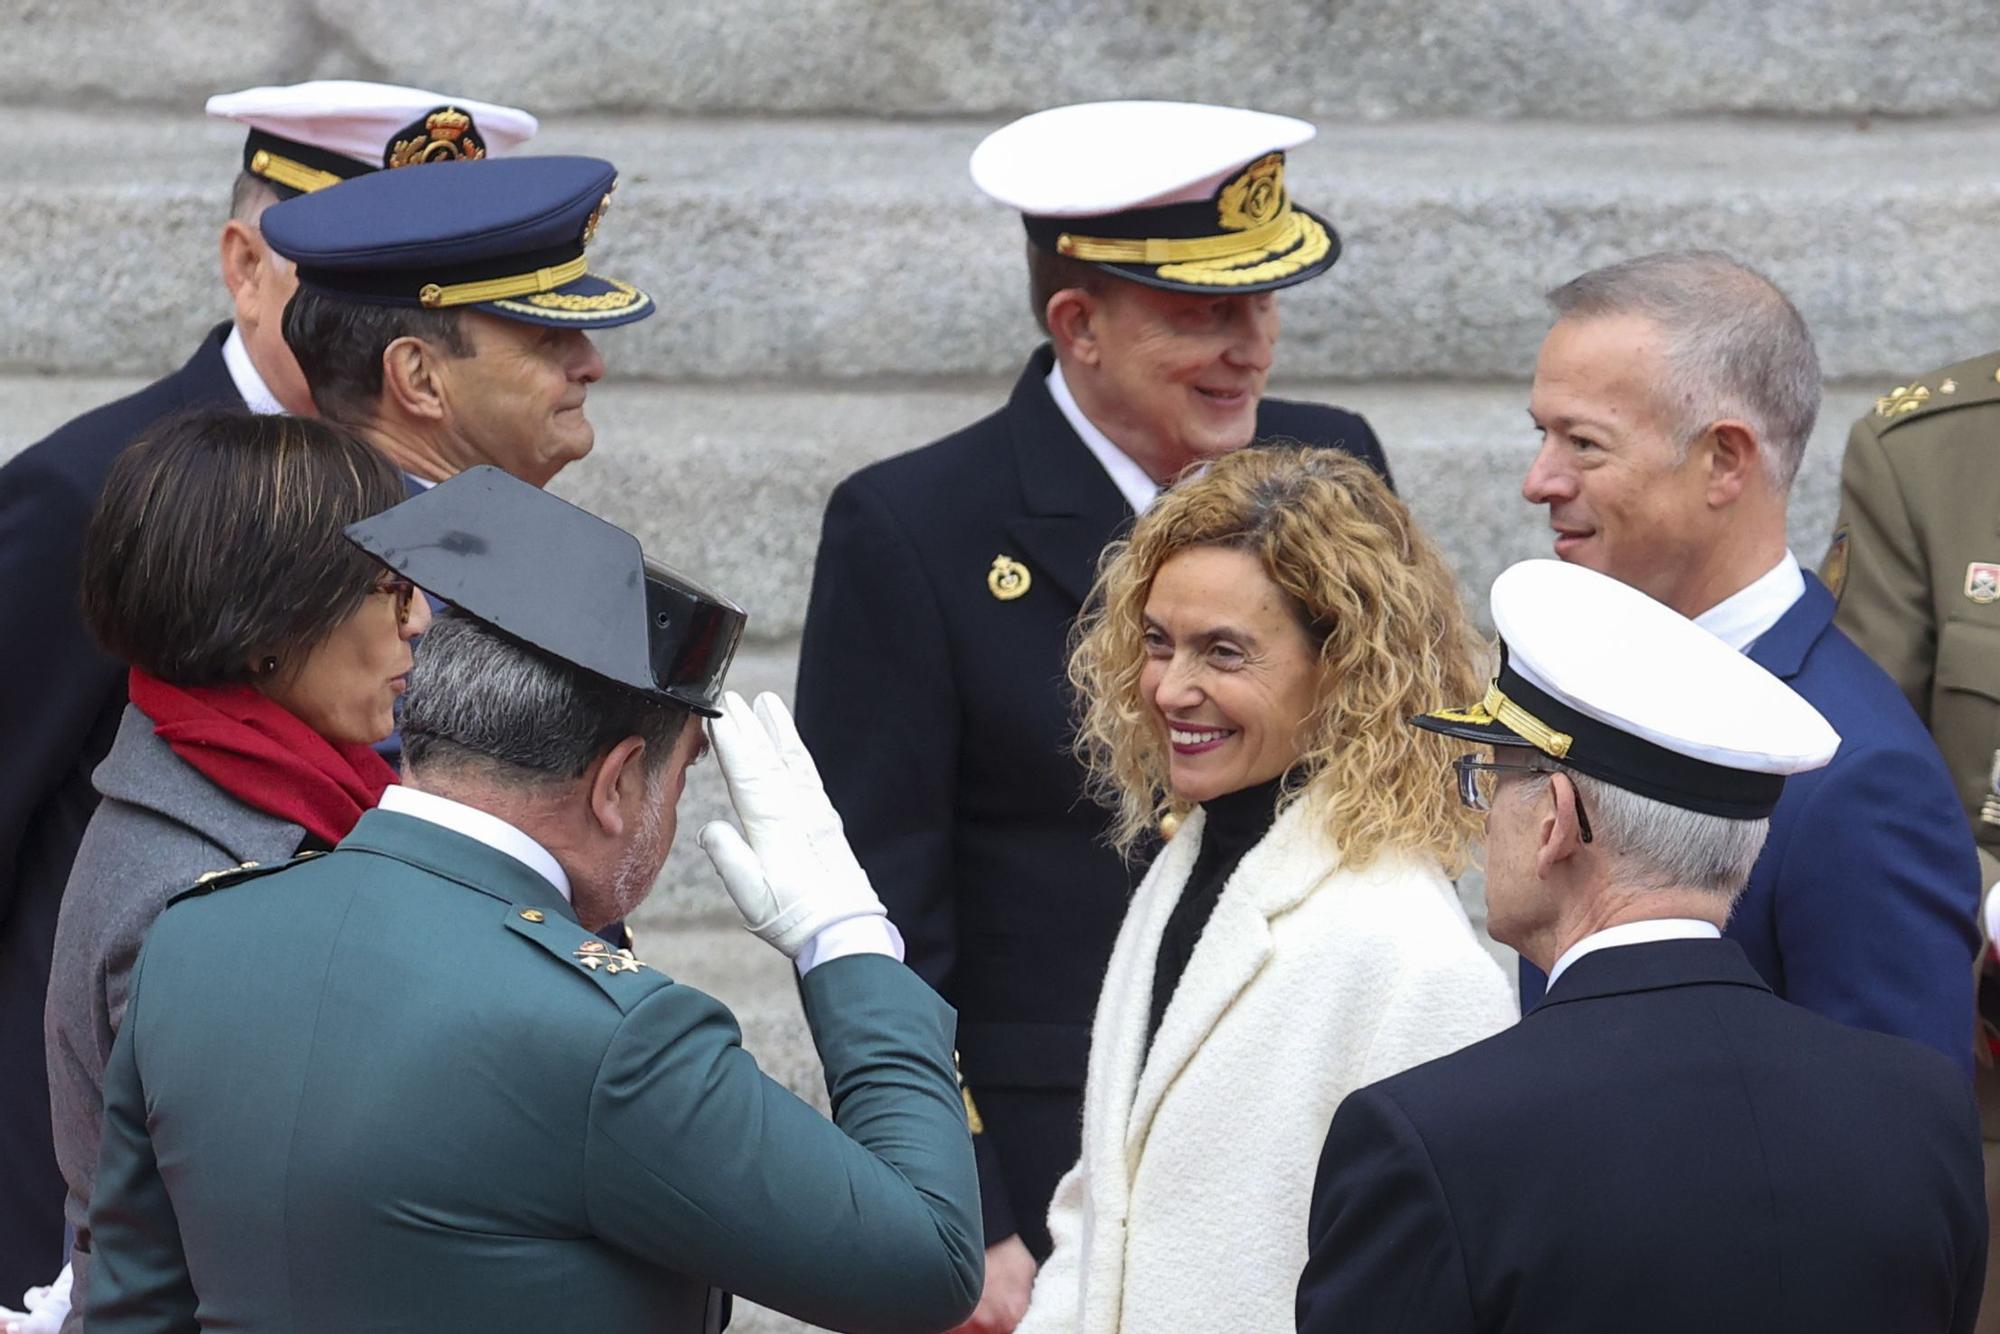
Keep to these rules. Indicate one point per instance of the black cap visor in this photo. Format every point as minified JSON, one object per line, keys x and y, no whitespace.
{"x":1518,"y":713}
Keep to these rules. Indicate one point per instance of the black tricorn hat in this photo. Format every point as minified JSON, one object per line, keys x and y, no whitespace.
{"x":561,"y":580}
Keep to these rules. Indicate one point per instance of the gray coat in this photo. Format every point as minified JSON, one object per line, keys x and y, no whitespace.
{"x":160,"y":826}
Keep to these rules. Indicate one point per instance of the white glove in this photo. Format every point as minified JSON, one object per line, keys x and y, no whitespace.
{"x":47,"y":1308}
{"x":795,"y":876}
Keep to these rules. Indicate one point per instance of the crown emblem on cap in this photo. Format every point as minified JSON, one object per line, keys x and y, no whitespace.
{"x":1255,"y":197}
{"x":445,"y":135}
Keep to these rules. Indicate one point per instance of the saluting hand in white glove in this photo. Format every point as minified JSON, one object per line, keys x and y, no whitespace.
{"x":790,"y":871}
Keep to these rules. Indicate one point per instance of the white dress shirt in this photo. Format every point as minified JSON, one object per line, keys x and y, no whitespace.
{"x":1739,"y":619}
{"x":857,"y":935}
{"x":257,"y":395}
{"x":1634,"y":933}
{"x":1138,"y":489}
{"x":480,"y":827}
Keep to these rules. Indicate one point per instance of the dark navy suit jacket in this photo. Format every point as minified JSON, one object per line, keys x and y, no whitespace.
{"x":1662,"y":1147}
{"x":940,"y":716}
{"x":1863,"y":906}
{"x":60,"y":699}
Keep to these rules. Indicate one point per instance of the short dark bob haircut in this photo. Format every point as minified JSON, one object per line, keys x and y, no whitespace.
{"x":217,"y":542}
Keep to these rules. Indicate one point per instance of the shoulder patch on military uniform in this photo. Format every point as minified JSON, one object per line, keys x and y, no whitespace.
{"x":210,"y":881}
{"x":1957,"y":386}
{"x":619,"y":974}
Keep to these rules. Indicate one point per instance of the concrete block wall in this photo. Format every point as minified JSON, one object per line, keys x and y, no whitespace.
{"x":833,"y":290}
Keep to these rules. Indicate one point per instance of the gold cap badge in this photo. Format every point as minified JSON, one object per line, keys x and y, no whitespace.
{"x":445,"y":135}
{"x":1008,"y":579}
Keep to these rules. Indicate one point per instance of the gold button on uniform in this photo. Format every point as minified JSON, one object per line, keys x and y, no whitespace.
{"x":532,"y":915}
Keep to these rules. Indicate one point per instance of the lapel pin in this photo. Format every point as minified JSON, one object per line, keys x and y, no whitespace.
{"x":1008,"y":579}
{"x":1982,"y":582}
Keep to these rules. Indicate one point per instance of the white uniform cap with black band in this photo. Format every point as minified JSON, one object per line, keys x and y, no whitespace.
{"x":1176,"y":195}
{"x":1610,"y":683}
{"x":306,"y":136}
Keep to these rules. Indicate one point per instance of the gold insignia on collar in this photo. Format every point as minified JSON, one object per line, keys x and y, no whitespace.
{"x":1008,"y":579}
{"x":445,"y":135}
{"x":1255,"y":197}
{"x":1902,"y":399}
{"x":1982,"y":582}
{"x":597,"y":215}
{"x":595,"y":954}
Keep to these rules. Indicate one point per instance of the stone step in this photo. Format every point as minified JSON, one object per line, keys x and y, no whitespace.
{"x":841,"y":251}
{"x":729,"y":482}
{"x":1492,"y":59}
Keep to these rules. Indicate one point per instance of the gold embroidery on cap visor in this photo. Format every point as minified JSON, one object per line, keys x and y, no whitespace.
{"x":1263,"y":239}
{"x":1497,"y":708}
{"x":621,"y":298}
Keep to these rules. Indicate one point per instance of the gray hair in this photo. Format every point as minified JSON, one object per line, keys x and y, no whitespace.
{"x":249,"y":197}
{"x":1735,"y":345}
{"x":1653,"y":845}
{"x":479,"y":698}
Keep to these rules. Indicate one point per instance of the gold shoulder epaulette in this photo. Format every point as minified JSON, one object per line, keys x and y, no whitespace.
{"x":1958,"y":386}
{"x":236,"y":875}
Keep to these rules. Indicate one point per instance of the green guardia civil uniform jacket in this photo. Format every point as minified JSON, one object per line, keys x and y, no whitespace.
{"x":398,"y":1087}
{"x":1915,"y":562}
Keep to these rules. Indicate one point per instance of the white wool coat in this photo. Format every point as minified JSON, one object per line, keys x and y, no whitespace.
{"x":1187,"y":1208}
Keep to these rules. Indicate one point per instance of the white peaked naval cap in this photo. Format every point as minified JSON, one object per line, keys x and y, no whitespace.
{"x":1105,"y":157}
{"x":1176,"y":195}
{"x":1613,"y":684}
{"x":315,"y":134}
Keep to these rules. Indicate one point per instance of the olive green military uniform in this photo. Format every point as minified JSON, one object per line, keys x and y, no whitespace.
{"x":398,"y":1087}
{"x":1915,"y":562}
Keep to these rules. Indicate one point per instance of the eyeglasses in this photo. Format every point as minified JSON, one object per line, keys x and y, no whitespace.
{"x":403,"y":591}
{"x":1478,"y":779}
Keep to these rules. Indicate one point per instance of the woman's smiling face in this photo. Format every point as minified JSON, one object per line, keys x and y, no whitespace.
{"x":1230,"y":674}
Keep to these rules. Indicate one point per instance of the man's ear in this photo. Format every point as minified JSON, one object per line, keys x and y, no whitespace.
{"x":1073,"y":315}
{"x":245,"y":266}
{"x":1735,"y":459}
{"x":618,"y":785}
{"x":1560,"y":831}
{"x":413,"y":379}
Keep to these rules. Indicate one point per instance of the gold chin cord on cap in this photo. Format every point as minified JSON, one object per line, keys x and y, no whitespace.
{"x":290,"y":174}
{"x":433,"y":295}
{"x":1526,"y":725}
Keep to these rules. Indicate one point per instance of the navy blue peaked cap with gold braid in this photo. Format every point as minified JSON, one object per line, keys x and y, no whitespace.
{"x":505,"y":236}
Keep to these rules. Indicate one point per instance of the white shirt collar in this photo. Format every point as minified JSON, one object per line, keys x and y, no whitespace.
{"x":1138,"y":489}
{"x":1739,"y":619}
{"x":257,"y":395}
{"x":1635,"y":933}
{"x":475,"y":824}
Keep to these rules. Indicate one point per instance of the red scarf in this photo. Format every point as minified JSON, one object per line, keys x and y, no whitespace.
{"x":261,"y":753}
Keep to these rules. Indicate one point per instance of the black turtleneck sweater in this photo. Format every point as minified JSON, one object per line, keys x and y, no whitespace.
{"x":1235,"y":823}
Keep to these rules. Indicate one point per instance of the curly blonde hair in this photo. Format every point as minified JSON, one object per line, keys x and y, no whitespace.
{"x":1374,"y":596}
